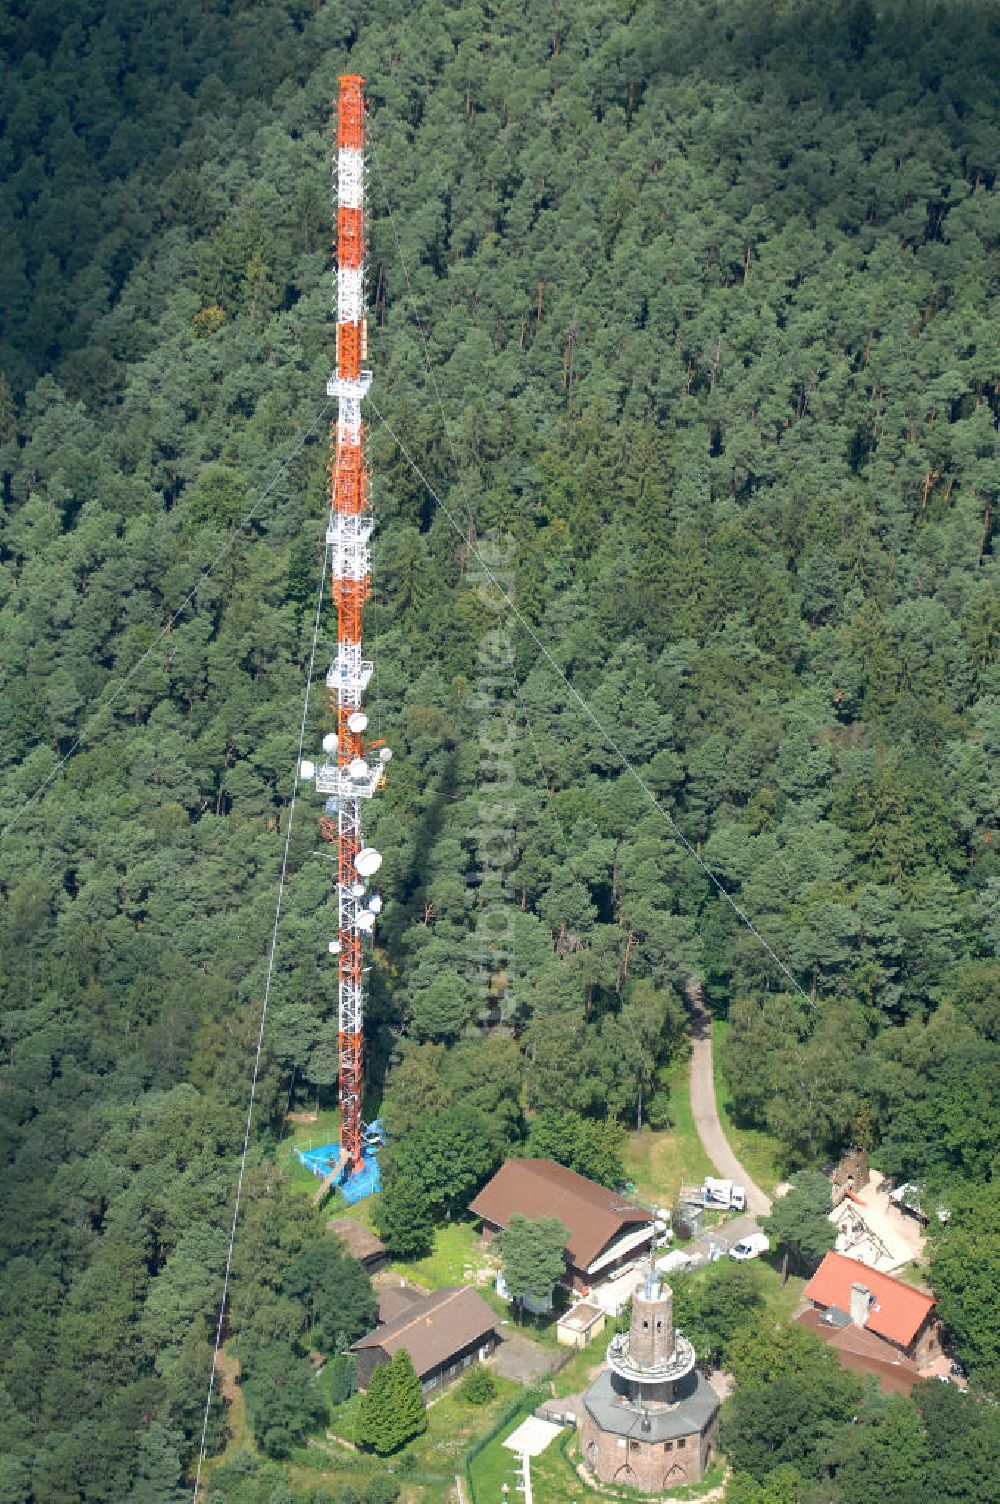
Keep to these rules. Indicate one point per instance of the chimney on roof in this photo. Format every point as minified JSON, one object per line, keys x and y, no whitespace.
{"x":860,"y":1298}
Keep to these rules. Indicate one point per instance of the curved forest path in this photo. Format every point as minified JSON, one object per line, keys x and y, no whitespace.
{"x":704,"y":1108}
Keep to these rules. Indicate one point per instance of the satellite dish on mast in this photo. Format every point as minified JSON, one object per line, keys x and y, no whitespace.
{"x":358,"y":769}
{"x":307,"y":769}
{"x":366,"y":921}
{"x":330,"y":742}
{"x":334,"y":947}
{"x":368,"y":861}
{"x":375,"y":904}
{"x":357,"y":722}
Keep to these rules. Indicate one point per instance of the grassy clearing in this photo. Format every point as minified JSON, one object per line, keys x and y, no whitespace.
{"x":325,"y":1130}
{"x":425,"y":1469}
{"x":660,"y":1162}
{"x":578,"y":1371}
{"x":457,"y":1258}
{"x":781,"y":1299}
{"x":758,"y":1152}
{"x":917,"y":1274}
{"x":453,"y":1424}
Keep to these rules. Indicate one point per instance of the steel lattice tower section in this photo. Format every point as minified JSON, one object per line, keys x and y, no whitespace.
{"x":354,"y":775}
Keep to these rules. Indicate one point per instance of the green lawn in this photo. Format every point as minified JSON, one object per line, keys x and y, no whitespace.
{"x":781,"y":1298}
{"x":916,"y":1274}
{"x":425,"y":1469}
{"x":457,"y":1258}
{"x":453,"y":1425}
{"x":576,"y":1375}
{"x":660,"y":1162}
{"x":325,"y":1130}
{"x":756,"y":1150}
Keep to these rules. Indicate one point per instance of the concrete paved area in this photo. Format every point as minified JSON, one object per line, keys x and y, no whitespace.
{"x":705,"y":1110}
{"x":611,"y":1294}
{"x":532,"y":1436}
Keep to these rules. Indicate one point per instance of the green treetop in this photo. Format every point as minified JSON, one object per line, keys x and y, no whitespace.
{"x":533,"y":1255}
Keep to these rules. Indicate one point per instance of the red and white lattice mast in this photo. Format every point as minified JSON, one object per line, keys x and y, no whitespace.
{"x":357,"y":769}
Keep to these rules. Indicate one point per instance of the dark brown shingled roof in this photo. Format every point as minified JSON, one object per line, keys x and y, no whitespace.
{"x":434,"y":1329}
{"x":863,"y":1352}
{"x":393,"y":1300}
{"x":591,"y":1214}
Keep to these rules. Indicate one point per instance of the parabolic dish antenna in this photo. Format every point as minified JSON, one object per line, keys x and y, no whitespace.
{"x":368,"y":861}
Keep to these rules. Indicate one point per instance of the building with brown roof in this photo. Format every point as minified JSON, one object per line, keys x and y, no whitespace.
{"x":875,"y":1303}
{"x":360,"y":1242}
{"x":862,"y":1352}
{"x":443,"y":1333}
{"x":603,"y":1229}
{"x":393,"y":1300}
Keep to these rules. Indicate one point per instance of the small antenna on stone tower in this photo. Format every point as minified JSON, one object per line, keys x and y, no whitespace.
{"x":651,"y":1279}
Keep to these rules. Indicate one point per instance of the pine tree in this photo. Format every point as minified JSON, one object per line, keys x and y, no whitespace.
{"x":375,"y":1429}
{"x":392,"y":1408}
{"x":407,"y":1398}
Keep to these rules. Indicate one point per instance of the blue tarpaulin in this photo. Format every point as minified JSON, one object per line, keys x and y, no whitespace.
{"x":363,"y":1183}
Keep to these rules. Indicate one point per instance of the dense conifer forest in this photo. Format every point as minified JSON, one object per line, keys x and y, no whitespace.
{"x":686,"y":311}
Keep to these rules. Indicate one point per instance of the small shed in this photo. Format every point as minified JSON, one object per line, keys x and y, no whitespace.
{"x":360,"y":1242}
{"x":580,"y":1324}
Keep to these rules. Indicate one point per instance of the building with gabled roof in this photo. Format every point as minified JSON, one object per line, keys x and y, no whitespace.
{"x":603,"y":1229}
{"x":443,"y":1333}
{"x":896,"y":1312}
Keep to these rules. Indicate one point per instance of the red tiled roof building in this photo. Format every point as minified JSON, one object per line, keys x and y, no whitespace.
{"x":876,"y":1303}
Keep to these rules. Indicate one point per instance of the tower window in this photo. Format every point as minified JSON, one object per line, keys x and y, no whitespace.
{"x":645,"y":1324}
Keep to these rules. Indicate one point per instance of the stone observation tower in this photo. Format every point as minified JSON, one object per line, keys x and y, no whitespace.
{"x":649,"y":1418}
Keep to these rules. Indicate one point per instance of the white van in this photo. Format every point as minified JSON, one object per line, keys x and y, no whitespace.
{"x":750,"y":1247}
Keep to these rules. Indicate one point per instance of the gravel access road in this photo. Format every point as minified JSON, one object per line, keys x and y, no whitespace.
{"x":705,"y":1110}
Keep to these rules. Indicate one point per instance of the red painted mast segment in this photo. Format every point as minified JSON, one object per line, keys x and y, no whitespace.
{"x":353,"y":769}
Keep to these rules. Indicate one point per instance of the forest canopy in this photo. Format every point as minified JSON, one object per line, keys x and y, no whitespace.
{"x":687,"y":314}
